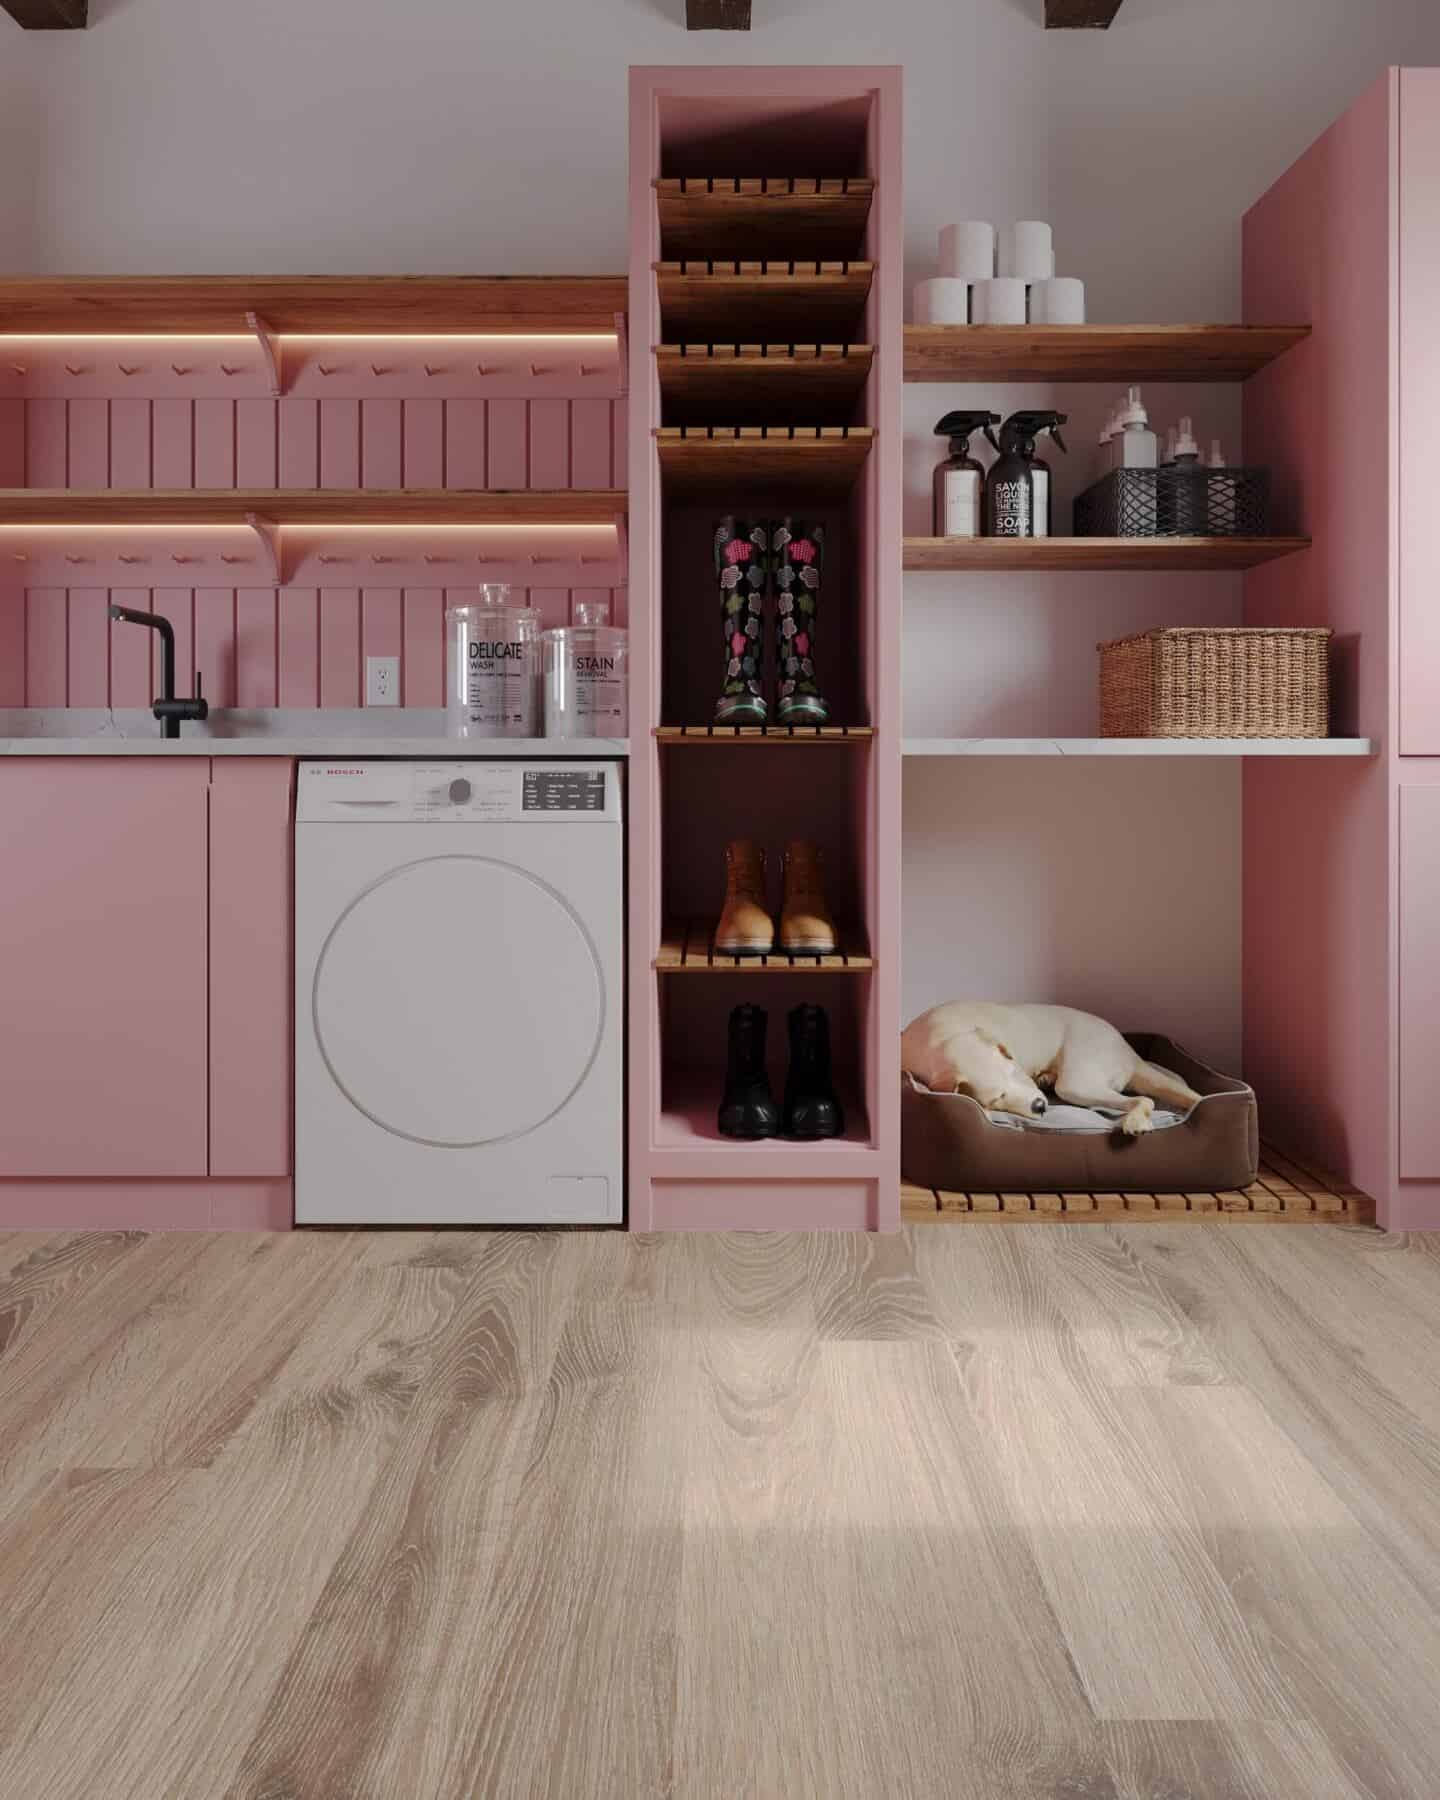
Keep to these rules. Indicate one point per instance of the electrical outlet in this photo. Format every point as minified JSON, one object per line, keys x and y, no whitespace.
{"x":382,"y":680}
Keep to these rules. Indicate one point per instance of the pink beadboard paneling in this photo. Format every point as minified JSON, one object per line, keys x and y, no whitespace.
{"x":299,"y":647}
{"x":88,"y":647}
{"x":87,"y":426}
{"x":12,"y":443}
{"x":465,"y":444}
{"x":1317,"y":838}
{"x":509,"y":444}
{"x":256,"y":647}
{"x":552,"y":604}
{"x":46,"y":610}
{"x":214,"y":431}
{"x":591,"y":444}
{"x":382,"y":438}
{"x":423,"y":651}
{"x":422,"y":458}
{"x":549,"y":465}
{"x":47,"y":460}
{"x":299,"y":442}
{"x":340,"y":443}
{"x":146,"y":1205}
{"x":381,"y":628}
{"x":256,"y":443}
{"x":215,"y":643}
{"x":178,"y":606}
{"x":251,"y":813}
{"x":172,"y":440}
{"x":130,"y":652}
{"x":130,"y":444}
{"x":340,"y":683}
{"x":103,"y":967}
{"x":12,"y":646}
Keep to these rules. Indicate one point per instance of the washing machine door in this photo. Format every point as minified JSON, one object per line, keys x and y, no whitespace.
{"x":458,"y":1001}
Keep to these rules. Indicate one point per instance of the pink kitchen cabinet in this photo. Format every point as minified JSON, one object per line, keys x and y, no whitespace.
{"x":103,"y":1056}
{"x":1419,"y":981}
{"x":1418,"y":468}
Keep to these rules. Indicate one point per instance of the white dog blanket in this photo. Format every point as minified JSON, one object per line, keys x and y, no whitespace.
{"x":1062,"y":1118}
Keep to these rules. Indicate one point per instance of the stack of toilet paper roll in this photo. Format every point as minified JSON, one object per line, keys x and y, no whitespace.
{"x":1009,"y":282}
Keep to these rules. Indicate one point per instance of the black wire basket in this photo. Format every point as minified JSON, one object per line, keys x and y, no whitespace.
{"x":1176,"y":502}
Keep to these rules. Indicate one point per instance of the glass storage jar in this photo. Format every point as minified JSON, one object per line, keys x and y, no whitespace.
{"x":492,"y":687}
{"x":587,"y":676}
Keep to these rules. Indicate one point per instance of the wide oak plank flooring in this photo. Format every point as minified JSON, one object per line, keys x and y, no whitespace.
{"x":1084,"y":1513}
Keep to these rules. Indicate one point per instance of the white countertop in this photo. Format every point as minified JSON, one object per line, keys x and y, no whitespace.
{"x":350,"y":732}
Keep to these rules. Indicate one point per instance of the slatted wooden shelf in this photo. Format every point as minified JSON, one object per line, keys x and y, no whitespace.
{"x":762,"y":384}
{"x":311,"y":506}
{"x":313,"y":303}
{"x":764,"y":734}
{"x":711,"y":301}
{"x":782,"y":460}
{"x":1285,"y":1194}
{"x":1142,"y":555}
{"x":745,"y":215}
{"x":1117,"y":353}
{"x":687,"y":947}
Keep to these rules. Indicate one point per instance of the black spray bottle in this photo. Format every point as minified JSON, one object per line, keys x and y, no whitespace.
{"x":960,"y":480}
{"x":1017,"y":490}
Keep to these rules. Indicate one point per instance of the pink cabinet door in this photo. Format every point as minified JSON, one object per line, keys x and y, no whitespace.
{"x":1419,"y":407}
{"x":251,"y":969}
{"x":1419,"y":981}
{"x":103,"y":1007}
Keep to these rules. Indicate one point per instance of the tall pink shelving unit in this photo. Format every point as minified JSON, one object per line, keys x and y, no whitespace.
{"x":1342,"y":866}
{"x":801,"y":354}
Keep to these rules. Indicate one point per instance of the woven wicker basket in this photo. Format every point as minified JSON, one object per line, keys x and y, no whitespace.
{"x":1209,"y":683}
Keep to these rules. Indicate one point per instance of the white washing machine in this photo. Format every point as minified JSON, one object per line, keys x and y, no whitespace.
{"x":459,"y":960}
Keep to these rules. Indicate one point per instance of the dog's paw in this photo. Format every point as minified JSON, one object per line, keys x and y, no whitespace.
{"x":1138,"y":1118}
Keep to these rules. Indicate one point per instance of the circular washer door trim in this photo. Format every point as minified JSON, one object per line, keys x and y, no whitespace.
{"x":459,"y":1143}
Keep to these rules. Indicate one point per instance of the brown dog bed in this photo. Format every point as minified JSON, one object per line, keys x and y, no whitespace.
{"x":948,"y":1141}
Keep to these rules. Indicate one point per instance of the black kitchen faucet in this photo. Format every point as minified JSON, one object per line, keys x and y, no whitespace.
{"x":167,"y":709}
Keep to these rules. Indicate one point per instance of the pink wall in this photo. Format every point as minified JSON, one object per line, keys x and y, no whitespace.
{"x":300,"y":647}
{"x":1317,"y":836}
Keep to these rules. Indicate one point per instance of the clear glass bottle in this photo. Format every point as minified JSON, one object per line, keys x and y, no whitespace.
{"x":587,"y":676}
{"x":492,"y":687}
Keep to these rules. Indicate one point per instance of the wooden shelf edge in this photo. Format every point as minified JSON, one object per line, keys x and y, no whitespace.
{"x":764,"y":734}
{"x":1181,"y":353}
{"x":1157,"y":555}
{"x":318,"y":506}
{"x":686,"y":949}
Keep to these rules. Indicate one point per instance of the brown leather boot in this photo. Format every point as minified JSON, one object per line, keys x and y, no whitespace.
{"x":806,"y":926}
{"x":745,"y":928}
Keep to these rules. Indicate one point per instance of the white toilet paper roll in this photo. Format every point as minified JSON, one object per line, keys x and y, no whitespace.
{"x":998,"y":302}
{"x":942,"y":301}
{"x":1027,"y":250}
{"x":1059,"y":301}
{"x":967,"y":250}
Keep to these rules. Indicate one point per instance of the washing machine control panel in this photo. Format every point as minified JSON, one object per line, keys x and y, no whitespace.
{"x":453,"y":793}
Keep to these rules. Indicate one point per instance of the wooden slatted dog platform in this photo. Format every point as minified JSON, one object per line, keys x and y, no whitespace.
{"x":1285,"y":1194}
{"x":687,"y":947}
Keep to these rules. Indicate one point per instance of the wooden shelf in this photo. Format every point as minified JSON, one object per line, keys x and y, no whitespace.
{"x":764,"y":734}
{"x":201,"y":537}
{"x":1147,"y":555}
{"x":1094,"y":352}
{"x":688,"y":948}
{"x":720,"y":216}
{"x":1334,"y":746}
{"x":823,"y":461}
{"x":1284,"y":1194}
{"x":375,"y":304}
{"x":762,"y":384}
{"x":723,"y":302}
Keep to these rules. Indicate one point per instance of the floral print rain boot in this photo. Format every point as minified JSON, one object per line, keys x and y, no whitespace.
{"x":742,"y":567}
{"x":798,"y":554}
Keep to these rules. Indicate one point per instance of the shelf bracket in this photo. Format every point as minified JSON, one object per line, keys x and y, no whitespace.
{"x":272,"y":350}
{"x":622,"y":539}
{"x":623,"y":339}
{"x":268,"y":532}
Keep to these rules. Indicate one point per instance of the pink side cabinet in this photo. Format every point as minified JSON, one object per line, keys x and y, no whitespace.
{"x":1342,"y":875}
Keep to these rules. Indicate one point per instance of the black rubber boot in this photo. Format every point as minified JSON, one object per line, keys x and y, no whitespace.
{"x":748,"y":1109}
{"x":812,"y":1107}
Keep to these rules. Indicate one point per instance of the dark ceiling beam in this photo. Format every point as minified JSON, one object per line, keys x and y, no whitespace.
{"x":712,"y":15}
{"x":1080,"y":15}
{"x":49,"y":15}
